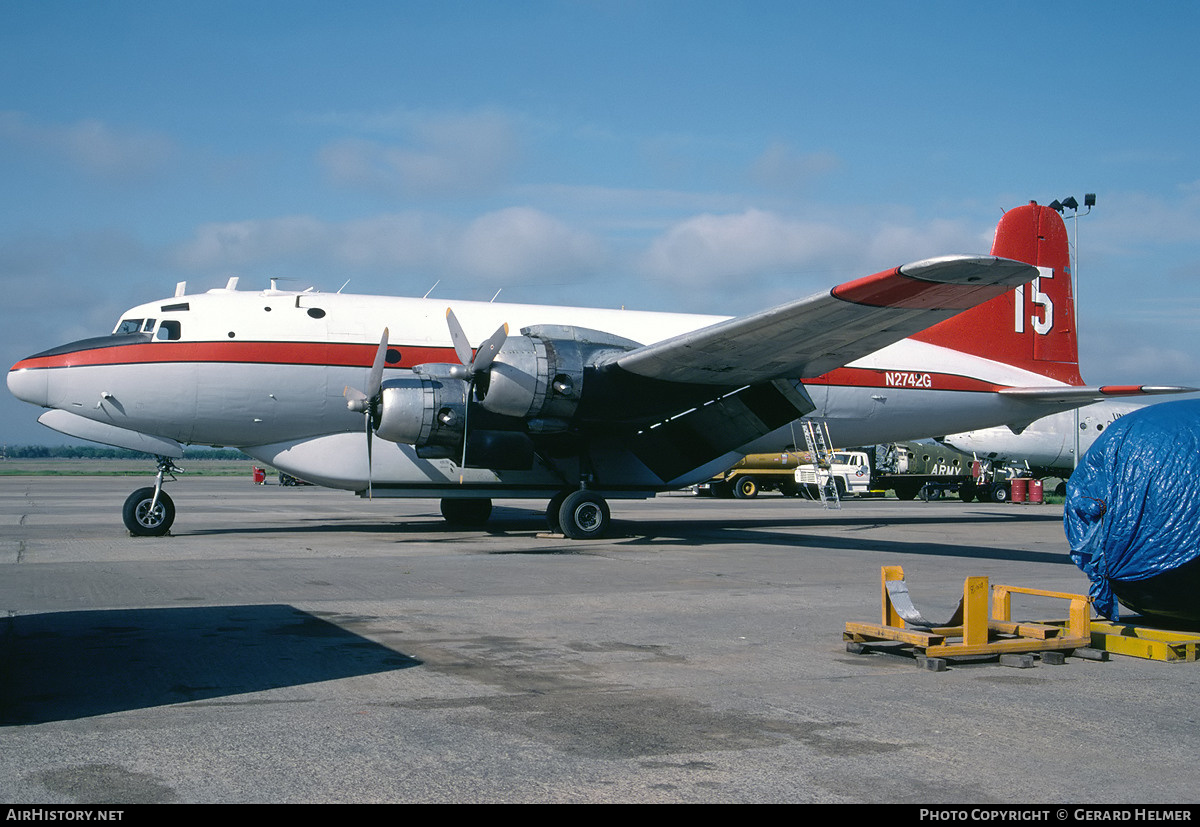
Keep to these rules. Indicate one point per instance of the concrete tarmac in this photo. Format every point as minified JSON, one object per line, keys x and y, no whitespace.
{"x":303,"y":645}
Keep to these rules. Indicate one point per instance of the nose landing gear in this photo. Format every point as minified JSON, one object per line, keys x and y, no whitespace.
{"x":149,"y":512}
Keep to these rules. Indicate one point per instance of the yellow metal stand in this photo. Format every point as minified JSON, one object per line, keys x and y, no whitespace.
{"x":971,"y":631}
{"x":1139,"y":641}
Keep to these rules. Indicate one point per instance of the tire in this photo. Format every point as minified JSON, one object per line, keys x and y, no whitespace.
{"x":966,"y":492}
{"x":584,"y":515}
{"x":745,"y":488}
{"x":906,"y":491}
{"x":140,"y":520}
{"x":470,"y":513}
{"x":722,"y":490}
{"x":552,"y":509}
{"x":1000,"y":493}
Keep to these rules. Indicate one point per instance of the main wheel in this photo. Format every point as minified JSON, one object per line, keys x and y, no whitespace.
{"x":552,"y":509}
{"x":466,"y":512}
{"x":745,"y":488}
{"x":583,"y":515}
{"x":144,"y":521}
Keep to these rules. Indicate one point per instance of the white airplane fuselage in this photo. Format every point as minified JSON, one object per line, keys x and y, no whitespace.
{"x":1049,"y":443}
{"x":266,"y":372}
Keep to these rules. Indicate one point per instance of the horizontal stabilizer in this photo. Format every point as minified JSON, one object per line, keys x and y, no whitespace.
{"x":1057,"y":395}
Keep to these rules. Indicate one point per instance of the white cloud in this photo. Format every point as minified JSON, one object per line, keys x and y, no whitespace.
{"x":91,"y":146}
{"x":709,"y":249}
{"x":447,"y":153}
{"x":782,"y":167}
{"x":517,"y":244}
{"x":523,"y":243}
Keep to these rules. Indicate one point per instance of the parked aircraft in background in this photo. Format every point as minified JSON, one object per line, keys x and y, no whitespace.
{"x":1048,"y":445}
{"x":584,"y":404}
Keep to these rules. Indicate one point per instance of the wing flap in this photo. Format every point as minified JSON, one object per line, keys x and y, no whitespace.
{"x":812,"y":336}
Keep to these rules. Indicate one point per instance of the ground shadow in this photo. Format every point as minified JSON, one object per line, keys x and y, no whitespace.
{"x":66,"y":665}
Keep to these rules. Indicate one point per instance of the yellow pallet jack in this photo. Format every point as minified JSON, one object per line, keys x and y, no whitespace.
{"x":972,"y":631}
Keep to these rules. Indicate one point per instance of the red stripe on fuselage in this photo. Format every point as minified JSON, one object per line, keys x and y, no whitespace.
{"x":333,"y":354}
{"x":902,"y":380}
{"x":894,"y":289}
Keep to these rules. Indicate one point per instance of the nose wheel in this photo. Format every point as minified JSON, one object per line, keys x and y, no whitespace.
{"x":149,"y":512}
{"x":147,"y":516}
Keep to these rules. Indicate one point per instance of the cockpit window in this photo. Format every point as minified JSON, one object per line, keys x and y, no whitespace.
{"x":169,"y":330}
{"x":148,"y":327}
{"x":128,"y":326}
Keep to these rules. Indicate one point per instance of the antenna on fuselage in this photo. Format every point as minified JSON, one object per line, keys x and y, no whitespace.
{"x":232,"y":284}
{"x":430,"y":290}
{"x":181,"y":289}
{"x":497,"y":294}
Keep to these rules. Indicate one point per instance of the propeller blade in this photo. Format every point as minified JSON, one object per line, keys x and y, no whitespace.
{"x":488,"y":350}
{"x":462,"y":345}
{"x":370,"y":431}
{"x":376,"y":380}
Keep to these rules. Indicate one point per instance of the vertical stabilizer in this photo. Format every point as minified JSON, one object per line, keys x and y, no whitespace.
{"x":1032,"y":326}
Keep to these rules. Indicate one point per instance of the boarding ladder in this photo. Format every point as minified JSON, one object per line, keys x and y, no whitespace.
{"x":816,"y":435}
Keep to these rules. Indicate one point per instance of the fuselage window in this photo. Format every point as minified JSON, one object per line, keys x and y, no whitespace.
{"x":169,"y":330}
{"x":128,"y":326}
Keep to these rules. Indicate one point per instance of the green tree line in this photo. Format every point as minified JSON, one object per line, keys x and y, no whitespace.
{"x":100,"y":452}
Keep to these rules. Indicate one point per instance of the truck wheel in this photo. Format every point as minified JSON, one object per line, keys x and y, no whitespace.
{"x":906,"y":491}
{"x":966,"y":492}
{"x":1000,"y":493}
{"x":745,"y":488}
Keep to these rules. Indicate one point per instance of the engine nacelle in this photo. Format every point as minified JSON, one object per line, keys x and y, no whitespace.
{"x":538,"y":376}
{"x":423,"y":411}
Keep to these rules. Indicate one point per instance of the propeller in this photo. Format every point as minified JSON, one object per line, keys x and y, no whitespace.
{"x":477,"y":364}
{"x":366,"y":402}
{"x":486,"y":353}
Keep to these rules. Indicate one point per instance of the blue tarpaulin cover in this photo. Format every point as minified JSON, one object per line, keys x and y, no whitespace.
{"x":1133,"y":504}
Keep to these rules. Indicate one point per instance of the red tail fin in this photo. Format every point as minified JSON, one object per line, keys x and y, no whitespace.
{"x":1032,"y":326}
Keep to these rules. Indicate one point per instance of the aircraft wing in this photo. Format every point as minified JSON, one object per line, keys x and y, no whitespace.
{"x":812,"y":336}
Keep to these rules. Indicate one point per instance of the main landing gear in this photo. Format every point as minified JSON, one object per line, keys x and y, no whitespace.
{"x":149,"y":512}
{"x":579,"y":515}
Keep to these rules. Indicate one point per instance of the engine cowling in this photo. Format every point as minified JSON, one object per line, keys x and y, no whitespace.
{"x":422,"y":411}
{"x":538,"y":376}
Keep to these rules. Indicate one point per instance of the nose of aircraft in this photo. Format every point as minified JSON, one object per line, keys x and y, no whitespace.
{"x":28,"y":384}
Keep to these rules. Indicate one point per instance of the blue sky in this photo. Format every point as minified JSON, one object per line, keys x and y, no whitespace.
{"x":697,"y":156}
